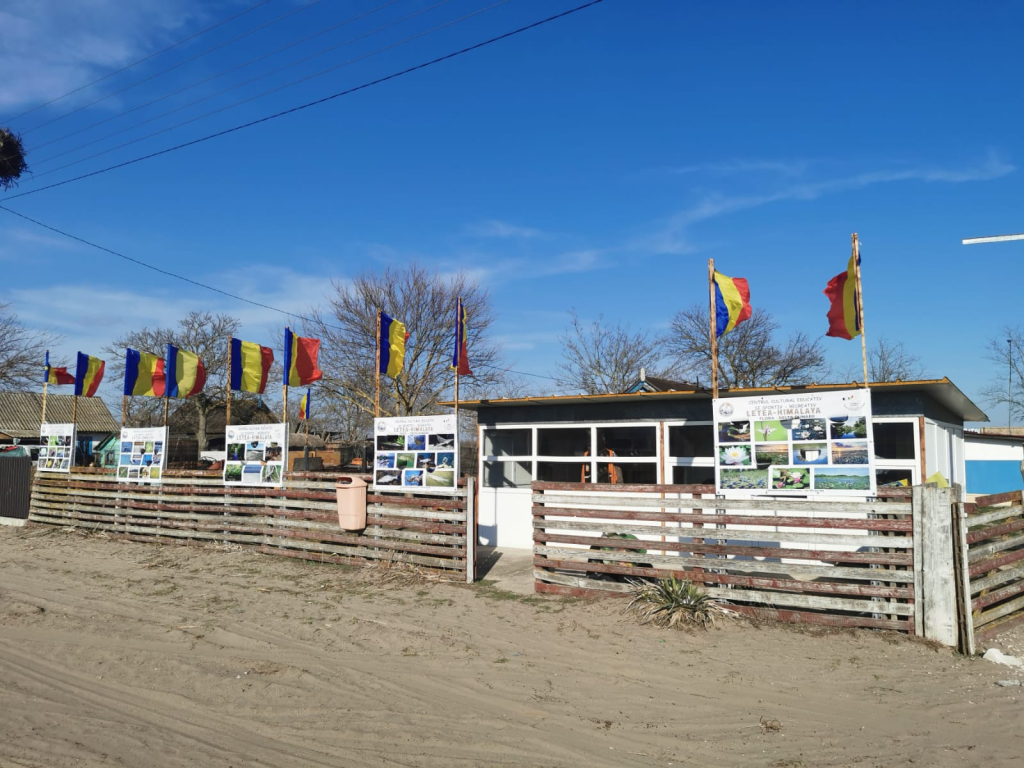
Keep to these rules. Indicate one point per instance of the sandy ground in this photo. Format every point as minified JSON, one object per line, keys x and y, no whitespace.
{"x":129,"y":654}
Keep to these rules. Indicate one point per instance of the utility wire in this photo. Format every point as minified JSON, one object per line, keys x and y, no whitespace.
{"x":199,"y":284}
{"x":255,"y":79}
{"x":193,"y":36}
{"x":199,"y":55}
{"x":189,"y":87}
{"x":314,"y":103}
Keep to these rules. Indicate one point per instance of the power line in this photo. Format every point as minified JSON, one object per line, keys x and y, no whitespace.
{"x":190,"y":86}
{"x":205,"y":286}
{"x":264,"y":93}
{"x":199,"y":55}
{"x":140,"y":61}
{"x":314,"y":103}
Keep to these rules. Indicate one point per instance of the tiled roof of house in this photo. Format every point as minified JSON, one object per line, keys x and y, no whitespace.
{"x":21,"y":413}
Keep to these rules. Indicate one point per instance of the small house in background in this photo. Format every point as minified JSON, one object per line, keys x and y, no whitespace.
{"x":995,"y":459}
{"x":661,"y":433}
{"x":21,"y":416}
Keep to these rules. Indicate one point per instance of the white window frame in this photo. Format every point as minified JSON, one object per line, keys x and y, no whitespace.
{"x":914,"y":465}
{"x":683,"y":461}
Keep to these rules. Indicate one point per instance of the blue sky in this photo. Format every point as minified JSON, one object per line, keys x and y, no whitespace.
{"x":595,"y":163}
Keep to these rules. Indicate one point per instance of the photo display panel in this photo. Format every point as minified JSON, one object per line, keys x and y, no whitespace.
{"x":143,"y":457}
{"x":56,"y":448}
{"x":416,"y":452}
{"x":800,"y":443}
{"x":256,"y":455}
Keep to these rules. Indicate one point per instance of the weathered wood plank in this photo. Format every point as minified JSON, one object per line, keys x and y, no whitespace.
{"x":996,"y":579}
{"x":997,"y":596}
{"x":1006,"y":609}
{"x":998,"y":498}
{"x":787,"y":505}
{"x":832,"y":539}
{"x":1000,"y":513}
{"x":996,"y":530}
{"x":851,"y":523}
{"x":995,"y":563}
{"x":700,"y":546}
{"x":828,"y":572}
{"x":707,"y":577}
{"x":985,"y":550}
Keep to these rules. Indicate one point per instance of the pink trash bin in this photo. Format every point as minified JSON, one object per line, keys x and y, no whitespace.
{"x":351,"y":503}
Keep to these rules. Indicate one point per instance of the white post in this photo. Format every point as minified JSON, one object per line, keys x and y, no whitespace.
{"x":470,"y":527}
{"x":938,"y":586}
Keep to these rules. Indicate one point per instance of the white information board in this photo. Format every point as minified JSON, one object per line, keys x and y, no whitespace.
{"x":415,"y":452}
{"x":800,"y":443}
{"x":56,"y":447}
{"x":256,"y":454}
{"x":143,"y":456}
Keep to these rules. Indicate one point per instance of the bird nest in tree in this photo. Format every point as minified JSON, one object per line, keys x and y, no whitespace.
{"x":12,"y":159}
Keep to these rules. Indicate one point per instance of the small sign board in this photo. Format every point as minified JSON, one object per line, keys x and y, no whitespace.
{"x":56,"y":448}
{"x":256,"y":454}
{"x":415,"y":452}
{"x":143,"y":457}
{"x":803,"y":443}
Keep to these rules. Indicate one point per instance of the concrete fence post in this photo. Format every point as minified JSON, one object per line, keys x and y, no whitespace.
{"x":937,"y":601}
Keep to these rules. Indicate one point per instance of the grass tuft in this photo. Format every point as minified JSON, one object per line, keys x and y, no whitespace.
{"x":671,"y":603}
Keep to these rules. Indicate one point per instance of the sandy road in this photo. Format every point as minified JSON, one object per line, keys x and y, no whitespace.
{"x":127,"y":654}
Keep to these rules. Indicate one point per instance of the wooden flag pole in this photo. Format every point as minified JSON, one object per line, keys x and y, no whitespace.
{"x":860,"y":306}
{"x":74,"y":411}
{"x":286,"y":403}
{"x":45,"y":384}
{"x":227,"y":414}
{"x":714,"y":329}
{"x":124,"y":410}
{"x":167,"y":402}
{"x":376,"y":373}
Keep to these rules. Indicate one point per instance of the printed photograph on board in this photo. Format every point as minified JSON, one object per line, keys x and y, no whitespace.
{"x":57,"y":450}
{"x":446,"y":460}
{"x":142,"y":454}
{"x":789,"y":479}
{"x":256,"y":454}
{"x":843,"y":427}
{"x":744,"y":479}
{"x":841,"y":479}
{"x":770,"y":432}
{"x":810,"y":453}
{"x":385,"y":461}
{"x":767,"y":454}
{"x":391,"y":443}
{"x":734,"y":432}
{"x":441,"y":478}
{"x":388,"y":478}
{"x":850,"y":452}
{"x":441,"y":441}
{"x":734,"y":455}
{"x":416,"y":452}
{"x":415,"y":442}
{"x":413,"y":477}
{"x":233,"y":472}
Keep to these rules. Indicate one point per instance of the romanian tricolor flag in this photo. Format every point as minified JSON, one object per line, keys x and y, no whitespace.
{"x":460,"y":358}
{"x":186,"y":373}
{"x":88,"y":375}
{"x":300,"y":358}
{"x":144,"y":374}
{"x":844,"y":314}
{"x":304,"y":406}
{"x":732,"y":302}
{"x":250,"y":366}
{"x":53,"y":375}
{"x":392,"y":345}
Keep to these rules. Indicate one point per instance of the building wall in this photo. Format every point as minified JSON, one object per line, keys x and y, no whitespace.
{"x":993,"y":466}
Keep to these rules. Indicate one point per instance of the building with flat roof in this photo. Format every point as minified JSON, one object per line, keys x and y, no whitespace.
{"x":666,"y":436}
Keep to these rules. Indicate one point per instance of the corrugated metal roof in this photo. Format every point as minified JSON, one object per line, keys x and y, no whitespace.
{"x":21,"y":413}
{"x":942,"y":390}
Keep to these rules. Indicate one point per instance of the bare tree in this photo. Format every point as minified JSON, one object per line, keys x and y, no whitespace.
{"x":203,"y":333}
{"x":425,"y":302}
{"x":748,"y":356}
{"x":1006,"y":351}
{"x":888,"y":361}
{"x":22,"y":352}
{"x":599,"y":358}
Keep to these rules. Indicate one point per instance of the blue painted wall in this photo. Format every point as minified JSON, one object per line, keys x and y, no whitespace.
{"x":993,"y":476}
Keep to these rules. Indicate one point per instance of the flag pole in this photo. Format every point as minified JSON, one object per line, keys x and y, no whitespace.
{"x":860,"y":306}
{"x":227,"y":414}
{"x":376,"y":373}
{"x":287,"y":373}
{"x":167,"y":402}
{"x":46,"y":383}
{"x":124,"y":410}
{"x":714,"y":329}
{"x":74,"y":411}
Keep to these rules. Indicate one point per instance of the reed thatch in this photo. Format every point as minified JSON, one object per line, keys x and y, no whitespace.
{"x":12,"y":159}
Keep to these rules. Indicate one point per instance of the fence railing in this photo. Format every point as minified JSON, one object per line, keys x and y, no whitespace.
{"x":423,"y":528}
{"x":848,"y":564}
{"x":992,"y":533}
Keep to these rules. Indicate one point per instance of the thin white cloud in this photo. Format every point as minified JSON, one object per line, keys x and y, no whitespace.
{"x":795,"y":168}
{"x":501,"y":229}
{"x":672,"y":237}
{"x":51,"y":47}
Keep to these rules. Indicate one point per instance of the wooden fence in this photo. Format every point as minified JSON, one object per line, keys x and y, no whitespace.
{"x":425,"y":528}
{"x":846,"y":564}
{"x":991,"y":534}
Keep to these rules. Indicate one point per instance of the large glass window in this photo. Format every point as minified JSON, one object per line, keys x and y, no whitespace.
{"x":571,"y":441}
{"x":894,"y":439}
{"x":508,"y":442}
{"x":507,"y":474}
{"x":693,"y":475}
{"x":559,"y":472}
{"x":692,"y":441}
{"x":627,"y":441}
